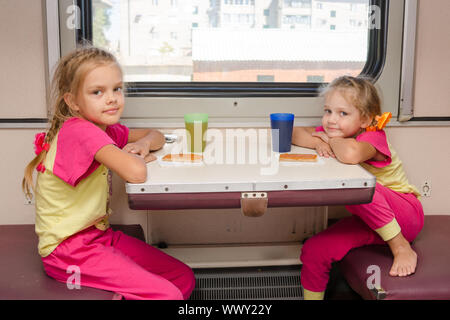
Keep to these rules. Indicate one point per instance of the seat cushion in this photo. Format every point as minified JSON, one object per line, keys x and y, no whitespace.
{"x":22,"y":275}
{"x":431,"y":281}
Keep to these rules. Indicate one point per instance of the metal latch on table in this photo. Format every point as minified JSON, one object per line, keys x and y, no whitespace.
{"x":379,"y":293}
{"x":254,"y":204}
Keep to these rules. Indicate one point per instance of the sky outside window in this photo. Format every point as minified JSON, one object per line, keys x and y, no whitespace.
{"x":234,"y":41}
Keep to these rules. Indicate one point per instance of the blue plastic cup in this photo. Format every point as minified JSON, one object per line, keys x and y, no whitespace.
{"x":282,"y":125}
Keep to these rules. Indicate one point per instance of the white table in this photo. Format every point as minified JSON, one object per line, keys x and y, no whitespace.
{"x":219,"y":182}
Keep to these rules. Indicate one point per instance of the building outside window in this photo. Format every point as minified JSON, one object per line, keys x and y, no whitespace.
{"x":315,"y":78}
{"x":233,"y":40}
{"x":265,"y":78}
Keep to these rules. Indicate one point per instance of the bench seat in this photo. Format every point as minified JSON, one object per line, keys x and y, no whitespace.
{"x":22,"y":276}
{"x":431,"y":281}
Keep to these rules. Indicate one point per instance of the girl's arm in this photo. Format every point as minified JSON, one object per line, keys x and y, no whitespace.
{"x":128,"y":166}
{"x":151,"y":138}
{"x":142,"y":141}
{"x":129,"y":163}
{"x":350,"y":151}
{"x":303,"y":137}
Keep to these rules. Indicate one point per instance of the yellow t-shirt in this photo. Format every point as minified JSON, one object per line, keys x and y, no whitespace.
{"x":389,"y":173}
{"x":72,"y":193}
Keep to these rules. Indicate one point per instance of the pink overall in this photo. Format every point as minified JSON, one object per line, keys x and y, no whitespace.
{"x":332,"y":244}
{"x":113,"y":261}
{"x":108,"y":260}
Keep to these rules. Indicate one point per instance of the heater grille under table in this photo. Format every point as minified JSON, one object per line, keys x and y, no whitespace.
{"x":268,"y":283}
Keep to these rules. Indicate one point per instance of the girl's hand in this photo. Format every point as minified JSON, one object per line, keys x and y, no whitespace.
{"x":149,"y":158}
{"x":141,"y":149}
{"x":322,"y":135}
{"x":138,"y":148}
{"x":324,"y":150}
{"x":323,"y":147}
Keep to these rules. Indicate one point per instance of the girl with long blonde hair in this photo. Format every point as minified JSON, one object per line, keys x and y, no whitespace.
{"x":352,"y":132}
{"x":85,"y":140}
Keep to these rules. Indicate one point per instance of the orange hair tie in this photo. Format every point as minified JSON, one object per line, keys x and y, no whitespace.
{"x":382,"y":121}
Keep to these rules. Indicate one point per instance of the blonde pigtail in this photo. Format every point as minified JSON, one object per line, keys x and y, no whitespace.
{"x":27,"y":181}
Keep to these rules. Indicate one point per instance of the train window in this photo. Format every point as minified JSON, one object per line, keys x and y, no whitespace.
{"x":237,"y":48}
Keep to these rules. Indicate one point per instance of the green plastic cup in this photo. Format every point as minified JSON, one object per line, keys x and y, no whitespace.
{"x":196,"y":126}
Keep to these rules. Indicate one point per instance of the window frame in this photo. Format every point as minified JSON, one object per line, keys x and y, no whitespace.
{"x":374,"y":65}
{"x":244,"y":109}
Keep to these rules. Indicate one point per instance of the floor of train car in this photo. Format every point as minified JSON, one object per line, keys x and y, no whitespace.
{"x":263,"y":283}
{"x":266,"y":283}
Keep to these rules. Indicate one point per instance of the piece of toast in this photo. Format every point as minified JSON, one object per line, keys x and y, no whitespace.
{"x":296,"y":157}
{"x":183,"y":157}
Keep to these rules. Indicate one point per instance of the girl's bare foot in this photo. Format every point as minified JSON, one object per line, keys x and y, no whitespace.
{"x":405,"y":259}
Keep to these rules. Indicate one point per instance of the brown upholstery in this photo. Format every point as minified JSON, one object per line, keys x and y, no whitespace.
{"x":431,"y":281}
{"x":22,"y":275}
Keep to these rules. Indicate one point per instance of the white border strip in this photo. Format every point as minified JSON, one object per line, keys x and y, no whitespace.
{"x":23,"y":125}
{"x":406,"y":111}
{"x":218,"y":256}
{"x":305,"y":185}
{"x":54,"y":52}
{"x":155,"y":123}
